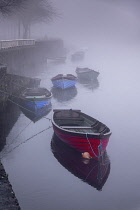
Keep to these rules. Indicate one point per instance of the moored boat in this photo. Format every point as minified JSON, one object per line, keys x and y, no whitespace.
{"x":64,"y":81}
{"x":81,"y":131}
{"x":35,"y":98}
{"x":78,"y":56}
{"x":93,"y":172}
{"x":86,"y":73}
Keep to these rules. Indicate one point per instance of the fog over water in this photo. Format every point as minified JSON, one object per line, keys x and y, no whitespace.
{"x":109,"y":33}
{"x":96,"y":21}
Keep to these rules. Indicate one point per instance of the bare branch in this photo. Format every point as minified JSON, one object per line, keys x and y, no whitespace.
{"x":9,"y":6}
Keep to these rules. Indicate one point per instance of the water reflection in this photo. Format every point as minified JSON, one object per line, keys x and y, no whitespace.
{"x":35,"y":116}
{"x":64,"y":95}
{"x":8,"y":118}
{"x":90,"y":84}
{"x":78,"y":56}
{"x":58,"y":60}
{"x":93,"y":172}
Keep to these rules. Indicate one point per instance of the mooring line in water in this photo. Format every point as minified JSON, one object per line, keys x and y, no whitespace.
{"x":20,"y":105}
{"x":27,"y":109}
{"x":90,"y":171}
{"x":21,"y":132}
{"x":25,"y":141}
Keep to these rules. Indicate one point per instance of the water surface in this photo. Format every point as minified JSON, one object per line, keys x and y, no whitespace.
{"x":40,"y":180}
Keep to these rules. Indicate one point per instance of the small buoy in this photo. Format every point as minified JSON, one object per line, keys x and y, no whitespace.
{"x":86,"y":155}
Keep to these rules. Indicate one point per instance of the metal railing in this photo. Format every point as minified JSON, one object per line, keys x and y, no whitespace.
{"x":6,"y":44}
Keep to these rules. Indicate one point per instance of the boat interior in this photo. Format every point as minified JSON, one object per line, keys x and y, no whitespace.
{"x":64,"y":76}
{"x":79,"y":122}
{"x":36,"y":92}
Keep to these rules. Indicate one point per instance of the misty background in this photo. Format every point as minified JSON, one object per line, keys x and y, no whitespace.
{"x":81,"y":21}
{"x":110,"y":32}
{"x":97,"y":21}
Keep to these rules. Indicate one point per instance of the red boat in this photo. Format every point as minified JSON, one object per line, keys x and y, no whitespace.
{"x":92,"y":172}
{"x":80,"y":131}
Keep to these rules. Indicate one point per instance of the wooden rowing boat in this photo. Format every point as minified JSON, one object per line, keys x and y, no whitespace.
{"x":81,"y":131}
{"x":86,"y":73}
{"x":63,"y":81}
{"x":35,"y":98}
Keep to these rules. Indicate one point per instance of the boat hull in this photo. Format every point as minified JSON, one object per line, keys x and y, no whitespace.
{"x":34,"y":105}
{"x":34,"y":99}
{"x":64,"y":83}
{"x":94,"y":145}
{"x":86,"y":74}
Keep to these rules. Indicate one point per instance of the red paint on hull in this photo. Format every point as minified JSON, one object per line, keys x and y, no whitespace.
{"x":83,"y":143}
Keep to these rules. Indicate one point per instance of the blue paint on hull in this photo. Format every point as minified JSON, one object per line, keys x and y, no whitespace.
{"x":64,"y":83}
{"x":34,"y":105}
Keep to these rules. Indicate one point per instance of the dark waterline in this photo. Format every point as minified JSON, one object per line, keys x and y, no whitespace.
{"x":40,"y":180}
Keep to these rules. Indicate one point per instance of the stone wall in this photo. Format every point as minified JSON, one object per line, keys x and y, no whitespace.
{"x":8,"y":200}
{"x":12,"y":85}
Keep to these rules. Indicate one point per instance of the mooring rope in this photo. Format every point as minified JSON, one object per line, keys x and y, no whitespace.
{"x":28,"y":109}
{"x":20,"y":132}
{"x":25,"y":141}
{"x":91,"y":146}
{"x":90,"y":172}
{"x":20,"y":106}
{"x":99,"y":148}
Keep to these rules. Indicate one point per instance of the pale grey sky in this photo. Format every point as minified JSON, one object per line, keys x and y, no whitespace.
{"x":83,"y":20}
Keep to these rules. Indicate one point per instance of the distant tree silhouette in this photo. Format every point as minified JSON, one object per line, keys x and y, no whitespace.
{"x":26,"y":13}
{"x":33,"y":11}
{"x":9,"y":6}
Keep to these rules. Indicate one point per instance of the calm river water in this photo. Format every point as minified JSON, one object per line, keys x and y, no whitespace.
{"x":46,"y":175}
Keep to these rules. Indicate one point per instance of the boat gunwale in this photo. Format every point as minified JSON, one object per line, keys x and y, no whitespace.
{"x":81,"y":133}
{"x":35,"y":97}
{"x":85,"y":70}
{"x":65,"y":77}
{"x":32,"y":98}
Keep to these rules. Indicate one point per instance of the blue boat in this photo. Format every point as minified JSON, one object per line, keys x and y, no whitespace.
{"x":35,"y":98}
{"x":64,"y":81}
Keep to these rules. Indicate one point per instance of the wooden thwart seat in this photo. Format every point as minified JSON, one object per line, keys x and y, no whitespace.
{"x":76,"y":127}
{"x":70,"y":118}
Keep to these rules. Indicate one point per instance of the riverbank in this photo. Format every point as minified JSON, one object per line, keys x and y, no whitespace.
{"x":8,"y":118}
{"x":8,"y":200}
